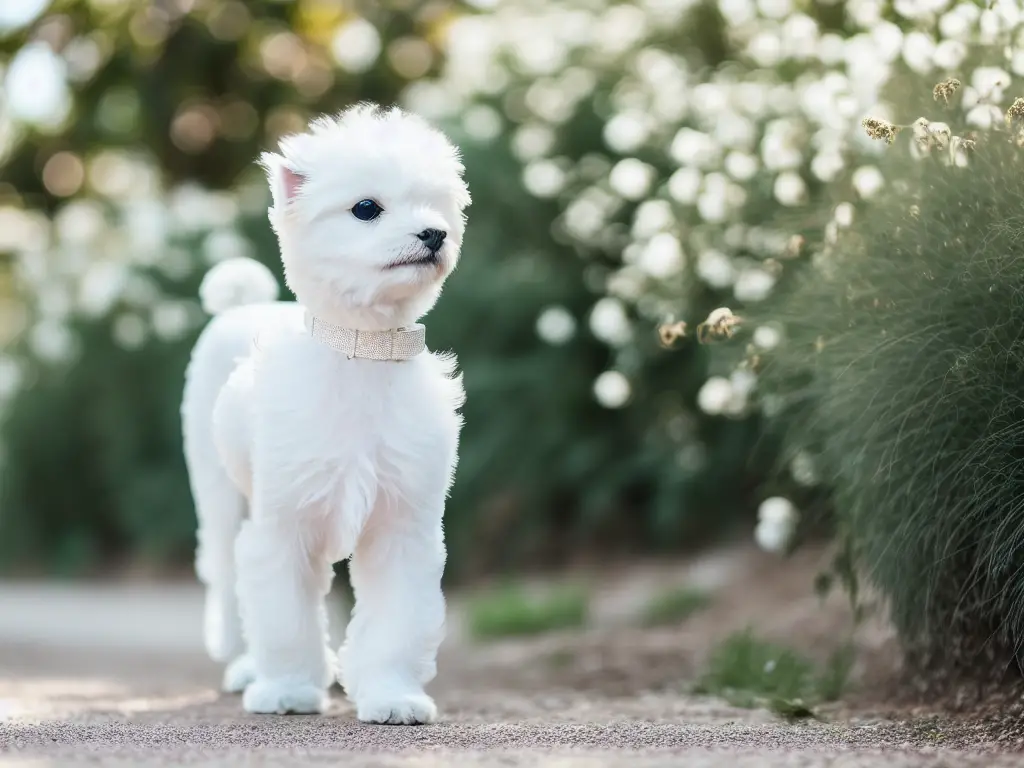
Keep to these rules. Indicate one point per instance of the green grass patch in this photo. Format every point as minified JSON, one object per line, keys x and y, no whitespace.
{"x":674,"y":606}
{"x":511,"y":611}
{"x":750,"y":672}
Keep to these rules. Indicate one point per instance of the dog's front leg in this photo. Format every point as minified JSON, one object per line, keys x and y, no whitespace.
{"x":283,"y":575}
{"x":398,"y":621}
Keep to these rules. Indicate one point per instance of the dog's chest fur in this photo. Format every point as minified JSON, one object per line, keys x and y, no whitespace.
{"x":333,"y":433}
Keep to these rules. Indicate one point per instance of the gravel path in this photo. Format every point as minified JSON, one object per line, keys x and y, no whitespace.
{"x":137,"y":692}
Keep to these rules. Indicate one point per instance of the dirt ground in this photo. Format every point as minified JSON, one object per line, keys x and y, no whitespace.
{"x":112,"y":676}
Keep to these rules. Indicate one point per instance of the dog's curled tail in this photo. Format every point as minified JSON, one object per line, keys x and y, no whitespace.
{"x":235,"y":283}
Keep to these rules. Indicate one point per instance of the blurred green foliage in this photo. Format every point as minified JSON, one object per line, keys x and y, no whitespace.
{"x":674,"y":606}
{"x":511,"y":611}
{"x":749,"y":671}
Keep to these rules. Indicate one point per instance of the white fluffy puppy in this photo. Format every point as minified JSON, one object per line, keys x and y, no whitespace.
{"x":321,"y":430}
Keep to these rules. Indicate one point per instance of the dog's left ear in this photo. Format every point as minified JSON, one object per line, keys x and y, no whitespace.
{"x":285,"y":182}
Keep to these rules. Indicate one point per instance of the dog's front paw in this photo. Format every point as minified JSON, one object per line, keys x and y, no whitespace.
{"x":413,"y":708}
{"x":283,"y":696}
{"x":239,"y":674}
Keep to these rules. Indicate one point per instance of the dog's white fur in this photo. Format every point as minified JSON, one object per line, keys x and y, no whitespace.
{"x":299,"y":457}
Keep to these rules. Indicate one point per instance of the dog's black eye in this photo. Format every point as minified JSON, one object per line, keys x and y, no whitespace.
{"x":366,"y":210}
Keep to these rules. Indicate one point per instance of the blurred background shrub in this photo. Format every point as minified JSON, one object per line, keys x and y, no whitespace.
{"x":633,"y":165}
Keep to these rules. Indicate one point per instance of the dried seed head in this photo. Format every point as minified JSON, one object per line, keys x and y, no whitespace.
{"x":1015,"y":114}
{"x":922,"y":134}
{"x":959,"y":150}
{"x":945,"y":90}
{"x":671,"y":333}
{"x":720,"y":324}
{"x":880,"y":129}
{"x":795,"y":246}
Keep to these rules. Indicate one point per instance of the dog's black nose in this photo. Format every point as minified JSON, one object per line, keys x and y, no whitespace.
{"x":433,"y":239}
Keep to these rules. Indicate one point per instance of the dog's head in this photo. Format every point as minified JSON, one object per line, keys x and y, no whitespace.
{"x":368,"y":209}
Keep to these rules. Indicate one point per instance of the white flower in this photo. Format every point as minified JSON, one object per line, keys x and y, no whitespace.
{"x":100,"y":287}
{"x":556,"y":325}
{"x":11,"y":377}
{"x":955,"y":25}
{"x":777,"y":509}
{"x":690,"y":147}
{"x":984,"y":116}
{"x":36,"y":86}
{"x":780,"y":147}
{"x":864,"y":13}
{"x":790,"y":189}
{"x":356,"y":46}
{"x":775,"y":9}
{"x":170,"y":320}
{"x":753,"y":284}
{"x":765,"y":48}
{"x":223,"y":244}
{"x":736,"y":12}
{"x":631,"y":178}
{"x":713,"y":205}
{"x":803,"y":469}
{"x":799,"y":36}
{"x":129,"y":331}
{"x":734,"y":131}
{"x":949,"y":54}
{"x":78,"y":222}
{"x":741,"y":166}
{"x":612,"y":389}
{"x":919,"y":10}
{"x":867,"y":180}
{"x":888,"y":40}
{"x":684,"y":185}
{"x":662,"y":257}
{"x":627,"y":131}
{"x":482,"y":122}
{"x":843,"y":214}
{"x":827,"y":164}
{"x":743,"y":383}
{"x":146,"y":223}
{"x":1017,"y":61}
{"x":609,"y":322}
{"x":830,"y":49}
{"x":918,"y":51}
{"x":989,"y":24}
{"x":767,"y":337}
{"x":715,"y":395}
{"x":651,"y":217}
{"x":583,"y":217}
{"x":776,"y":523}
{"x":990,"y":83}
{"x":532,"y":141}
{"x":543,"y":178}
{"x":51,"y":341}
{"x":715,"y":269}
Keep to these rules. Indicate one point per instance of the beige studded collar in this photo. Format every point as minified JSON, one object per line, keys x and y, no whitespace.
{"x":392,"y":345}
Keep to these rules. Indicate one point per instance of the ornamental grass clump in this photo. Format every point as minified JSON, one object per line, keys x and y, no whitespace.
{"x":902,"y":371}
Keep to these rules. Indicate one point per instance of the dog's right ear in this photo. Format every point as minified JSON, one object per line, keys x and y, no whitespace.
{"x":285,"y":182}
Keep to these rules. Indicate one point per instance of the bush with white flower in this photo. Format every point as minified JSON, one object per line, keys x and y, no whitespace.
{"x":700,"y":152}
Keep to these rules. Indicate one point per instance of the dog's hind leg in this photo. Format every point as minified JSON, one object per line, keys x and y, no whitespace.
{"x":220,"y":508}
